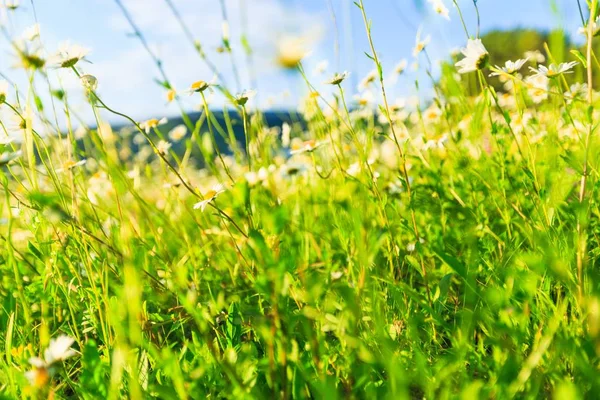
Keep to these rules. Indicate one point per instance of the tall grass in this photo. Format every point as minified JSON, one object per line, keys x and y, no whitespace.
{"x":367,"y":249}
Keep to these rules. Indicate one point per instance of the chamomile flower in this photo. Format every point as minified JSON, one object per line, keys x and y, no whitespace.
{"x":7,"y":157}
{"x":171,"y":95}
{"x":595,"y":28}
{"x":3,"y":91}
{"x":163,"y":147}
{"x":553,"y":70}
{"x":321,"y":67}
{"x":400,"y":67}
{"x":59,"y":349}
{"x":476,"y":57}
{"x":420,"y":44}
{"x":152,"y":123}
{"x":198,"y":87}
{"x":286,"y":131}
{"x":70,"y":164}
{"x":510,"y":67}
{"x":365,"y":98}
{"x":12,"y":5}
{"x":305,"y":147}
{"x":368,"y":80}
{"x":178,"y":133}
{"x":440,"y":8}
{"x":31,"y":33}
{"x":209,"y":197}
{"x":537,"y":87}
{"x":242,"y":98}
{"x":338,"y":78}
{"x":291,"y":50}
{"x":40,"y":375}
{"x":535,"y":55}
{"x":69,"y":55}
{"x":89,"y":82}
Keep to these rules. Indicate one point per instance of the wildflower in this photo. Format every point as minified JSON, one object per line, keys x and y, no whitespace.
{"x":59,"y":349}
{"x":535,"y":55}
{"x":400,"y":67}
{"x":290,"y":51}
{"x":321,"y":67}
{"x":553,"y":70}
{"x":365,"y":98}
{"x":163,"y":147}
{"x":12,"y":5}
{"x":420,"y":45}
{"x":178,"y":133}
{"x":476,"y":57}
{"x":338,"y":78}
{"x":89,"y":82}
{"x":286,"y":131}
{"x":3,"y":91}
{"x":7,"y":157}
{"x":537,"y":87}
{"x":70,"y":164}
{"x":595,"y":28}
{"x":306,"y":147}
{"x":510,"y":67}
{"x":576,"y":91}
{"x":171,"y":94}
{"x":150,"y":124}
{"x":254,"y":178}
{"x":289,"y":170}
{"x":440,"y":8}
{"x":367,"y":80}
{"x":242,"y":98}
{"x":69,"y":54}
{"x":335,"y":275}
{"x":39,"y":376}
{"x":199,"y":87}
{"x":30,"y":59}
{"x":32,"y":32}
{"x":209,"y":197}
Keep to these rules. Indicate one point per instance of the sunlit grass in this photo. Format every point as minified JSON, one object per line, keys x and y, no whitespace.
{"x":369,"y":247}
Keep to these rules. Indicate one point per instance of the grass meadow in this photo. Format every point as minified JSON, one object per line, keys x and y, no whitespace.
{"x":370,"y":247}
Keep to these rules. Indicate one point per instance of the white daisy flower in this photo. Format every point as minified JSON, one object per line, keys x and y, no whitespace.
{"x":209,"y":197}
{"x":7,"y":157}
{"x":420,"y":44}
{"x":321,"y":67}
{"x":440,"y":8}
{"x":338,"y":78}
{"x":150,"y":124}
{"x":368,"y":80}
{"x":89,"y":82}
{"x":510,"y":67}
{"x":31,"y":33}
{"x":537,"y":87}
{"x":70,"y":164}
{"x":306,"y":147}
{"x":476,"y":57}
{"x":68,"y":55}
{"x":401,"y":67}
{"x":553,"y":70}
{"x":535,"y":55}
{"x":3,"y":91}
{"x":242,"y":98}
{"x":163,"y":147}
{"x":178,"y":133}
{"x":595,"y":28}
{"x":59,"y":349}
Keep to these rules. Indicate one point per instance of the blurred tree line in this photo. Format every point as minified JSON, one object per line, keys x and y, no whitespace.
{"x":513,"y":44}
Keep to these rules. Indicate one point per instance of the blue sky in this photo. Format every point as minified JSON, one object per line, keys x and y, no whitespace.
{"x":126,"y":72}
